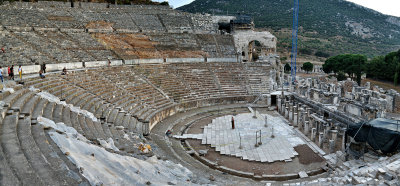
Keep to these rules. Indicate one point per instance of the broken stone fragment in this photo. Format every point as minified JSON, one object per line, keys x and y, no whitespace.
{"x":203,"y":152}
{"x":174,"y":182}
{"x":212,"y":178}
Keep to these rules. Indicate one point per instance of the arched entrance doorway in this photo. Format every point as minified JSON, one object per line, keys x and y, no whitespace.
{"x":255,"y":51}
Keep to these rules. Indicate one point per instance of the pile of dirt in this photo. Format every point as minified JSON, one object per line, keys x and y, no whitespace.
{"x":306,"y":155}
{"x":60,"y":18}
{"x":99,"y":25}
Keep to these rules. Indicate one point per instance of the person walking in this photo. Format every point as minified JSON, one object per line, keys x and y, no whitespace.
{"x":20,"y":72}
{"x":233,"y":123}
{"x":12,"y":72}
{"x":44,"y":68}
{"x":9,"y":72}
{"x":1,"y":74}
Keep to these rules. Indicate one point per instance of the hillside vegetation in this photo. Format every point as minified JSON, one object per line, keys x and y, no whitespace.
{"x":326,"y":26}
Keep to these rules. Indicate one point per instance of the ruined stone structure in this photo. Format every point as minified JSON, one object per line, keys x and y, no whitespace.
{"x":133,"y":69}
{"x":244,"y":43}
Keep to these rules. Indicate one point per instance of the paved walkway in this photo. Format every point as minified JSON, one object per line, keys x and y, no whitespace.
{"x":240,"y":142}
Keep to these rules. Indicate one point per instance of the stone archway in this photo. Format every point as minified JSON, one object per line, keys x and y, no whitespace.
{"x":255,"y":50}
{"x":249,"y":42}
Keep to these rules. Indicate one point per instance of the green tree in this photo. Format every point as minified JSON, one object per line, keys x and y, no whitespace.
{"x":341,"y":76}
{"x":396,"y":74}
{"x":352,"y":64}
{"x":306,"y":51}
{"x":321,"y":54}
{"x":375,"y":68}
{"x":308,"y":67}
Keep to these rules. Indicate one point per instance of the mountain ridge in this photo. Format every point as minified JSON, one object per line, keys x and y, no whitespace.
{"x":329,"y":26}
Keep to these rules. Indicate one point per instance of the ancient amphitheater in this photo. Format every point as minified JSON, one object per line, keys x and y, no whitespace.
{"x":154,"y":96}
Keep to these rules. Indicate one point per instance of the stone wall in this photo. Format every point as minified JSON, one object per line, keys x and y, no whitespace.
{"x":158,"y":116}
{"x":242,"y":40}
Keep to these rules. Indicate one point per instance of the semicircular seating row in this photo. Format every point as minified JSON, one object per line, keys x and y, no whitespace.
{"x":125,"y":96}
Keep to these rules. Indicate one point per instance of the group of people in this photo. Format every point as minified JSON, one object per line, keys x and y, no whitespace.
{"x":11,"y":73}
{"x":43,"y":70}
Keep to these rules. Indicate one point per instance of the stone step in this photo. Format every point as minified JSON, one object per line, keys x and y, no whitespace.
{"x":75,"y":123}
{"x":35,"y":157}
{"x":93,"y":129}
{"x":7,"y":175}
{"x":113,"y":115}
{"x":14,"y":154}
{"x":38,"y":110}
{"x":48,"y":110}
{"x":119,"y":119}
{"x":19,"y":103}
{"x":66,"y":118}
{"x":56,"y":158}
{"x":107,"y":130}
{"x":86,"y":130}
{"x":116,"y":135}
{"x":10,"y":99}
{"x":126,"y":121}
{"x":57,"y":113}
{"x":97,"y":126}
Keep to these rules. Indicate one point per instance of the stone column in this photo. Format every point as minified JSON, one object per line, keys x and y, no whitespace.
{"x":305,"y":118}
{"x":294,"y":110}
{"x":306,"y":127}
{"x":287,"y":112}
{"x":321,"y":139}
{"x":278,"y":104}
{"x":268,"y":100}
{"x":295,"y":122}
{"x":311,"y":123}
{"x":343,"y":140}
{"x":313,"y":134}
{"x":332,"y":146}
{"x":334,"y":134}
{"x":326,"y":129}
{"x":309,"y":112}
{"x":317,"y":125}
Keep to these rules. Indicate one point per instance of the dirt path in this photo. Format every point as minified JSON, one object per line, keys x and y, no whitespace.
{"x":382,"y":84}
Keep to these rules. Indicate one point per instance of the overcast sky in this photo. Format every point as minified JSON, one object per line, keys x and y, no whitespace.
{"x":176,"y":3}
{"x":389,"y":7}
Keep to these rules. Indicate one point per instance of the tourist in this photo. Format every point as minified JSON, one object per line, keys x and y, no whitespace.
{"x":233,"y":123}
{"x":9,"y":72}
{"x":41,"y":75}
{"x":168,"y":133}
{"x":64,"y":71}
{"x":12,"y":72}
{"x":44,"y":67}
{"x":20,"y":72}
{"x":1,"y":74}
{"x":3,"y":50}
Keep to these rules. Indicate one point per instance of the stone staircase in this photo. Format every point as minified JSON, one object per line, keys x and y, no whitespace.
{"x":24,"y":157}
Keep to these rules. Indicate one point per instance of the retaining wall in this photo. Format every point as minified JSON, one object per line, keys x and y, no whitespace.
{"x":159,"y":115}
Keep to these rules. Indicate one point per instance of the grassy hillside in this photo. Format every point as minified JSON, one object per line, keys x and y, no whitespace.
{"x":328,"y":26}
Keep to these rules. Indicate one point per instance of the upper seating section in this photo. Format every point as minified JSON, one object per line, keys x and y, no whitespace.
{"x":129,"y":18}
{"x":53,"y":32}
